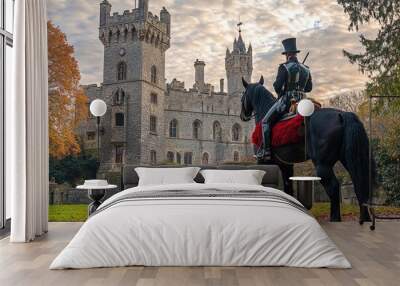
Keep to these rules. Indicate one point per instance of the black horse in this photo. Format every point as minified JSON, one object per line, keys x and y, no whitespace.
{"x":332,"y":136}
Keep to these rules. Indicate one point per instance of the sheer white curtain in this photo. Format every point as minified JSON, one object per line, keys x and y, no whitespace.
{"x":27,"y":124}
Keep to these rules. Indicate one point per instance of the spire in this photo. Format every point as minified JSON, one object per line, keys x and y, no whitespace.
{"x":240,"y":44}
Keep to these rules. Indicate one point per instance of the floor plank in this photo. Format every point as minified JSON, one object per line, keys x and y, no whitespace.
{"x":375,"y":257}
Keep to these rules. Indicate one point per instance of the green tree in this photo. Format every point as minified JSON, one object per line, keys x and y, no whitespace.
{"x":73,"y":169}
{"x":381,"y":59}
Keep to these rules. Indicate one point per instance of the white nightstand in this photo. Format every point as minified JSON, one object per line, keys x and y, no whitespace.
{"x":96,"y":191}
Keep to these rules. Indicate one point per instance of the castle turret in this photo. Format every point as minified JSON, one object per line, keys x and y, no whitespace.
{"x":165,"y":17}
{"x":105,"y":10}
{"x":238,"y":64}
{"x":199,"y":73}
{"x":144,"y":8}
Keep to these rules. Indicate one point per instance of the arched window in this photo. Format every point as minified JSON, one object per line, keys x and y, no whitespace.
{"x":125,"y":34}
{"x":170,"y":157}
{"x":153,"y":98}
{"x":196,"y":129}
{"x":110,"y":36}
{"x":134,"y":35}
{"x":217,"y":131}
{"x":119,"y":119}
{"x":121,"y":71}
{"x":178,"y":158}
{"x":188,"y":158}
{"x":153,"y":157}
{"x":118,"y":35}
{"x":236,"y":132}
{"x":236,"y":156}
{"x":205,"y":159}
{"x":173,"y":128}
{"x":119,"y":97}
{"x":153,"y":74}
{"x":153,"y":124}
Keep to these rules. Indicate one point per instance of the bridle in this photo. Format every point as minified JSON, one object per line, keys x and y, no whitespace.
{"x":244,"y":104}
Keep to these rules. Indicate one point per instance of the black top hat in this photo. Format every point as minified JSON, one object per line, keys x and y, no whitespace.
{"x":290,"y":46}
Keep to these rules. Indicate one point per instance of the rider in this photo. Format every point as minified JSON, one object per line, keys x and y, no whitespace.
{"x":292,"y":82}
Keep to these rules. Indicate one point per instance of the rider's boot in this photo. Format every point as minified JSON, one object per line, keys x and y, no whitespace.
{"x":267,"y":155}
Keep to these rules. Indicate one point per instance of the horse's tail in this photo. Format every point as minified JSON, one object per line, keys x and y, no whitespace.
{"x":355,"y":156}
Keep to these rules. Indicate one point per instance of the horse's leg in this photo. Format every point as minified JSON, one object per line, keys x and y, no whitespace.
{"x":332,"y":187}
{"x":287,"y":172}
{"x":360,"y":184}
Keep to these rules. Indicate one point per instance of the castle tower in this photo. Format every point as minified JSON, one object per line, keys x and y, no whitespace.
{"x":133,"y":87}
{"x":199,"y":74}
{"x":238,"y":64}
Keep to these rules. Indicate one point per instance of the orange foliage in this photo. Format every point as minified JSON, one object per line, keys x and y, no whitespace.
{"x":67,"y":101}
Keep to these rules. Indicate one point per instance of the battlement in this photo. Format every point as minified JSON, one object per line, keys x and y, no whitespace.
{"x":134,"y":16}
{"x":135,"y":24}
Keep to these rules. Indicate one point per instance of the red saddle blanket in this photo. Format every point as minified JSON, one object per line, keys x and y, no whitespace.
{"x":283,"y":133}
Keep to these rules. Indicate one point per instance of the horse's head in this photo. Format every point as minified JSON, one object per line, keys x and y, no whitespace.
{"x":248,"y":99}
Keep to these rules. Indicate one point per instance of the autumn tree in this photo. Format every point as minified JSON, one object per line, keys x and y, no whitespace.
{"x":67,"y":101}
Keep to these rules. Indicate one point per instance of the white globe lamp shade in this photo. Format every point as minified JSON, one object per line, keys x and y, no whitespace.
{"x":305,"y":108}
{"x":98,"y":108}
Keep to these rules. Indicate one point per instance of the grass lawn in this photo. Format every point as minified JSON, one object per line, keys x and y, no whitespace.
{"x":77,"y":213}
{"x":67,"y":213}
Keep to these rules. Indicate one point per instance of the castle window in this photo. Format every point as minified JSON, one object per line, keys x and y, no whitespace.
{"x":196,"y":129}
{"x":236,"y":156}
{"x":119,"y":154}
{"x":125,"y":34}
{"x":119,"y":119}
{"x":236,"y":132}
{"x":217,"y":131}
{"x":118,"y":35}
{"x":110,"y":36}
{"x":173,"y":128}
{"x":153,"y":157}
{"x":170,"y":157}
{"x":188,"y":158}
{"x":153,"y":74}
{"x":153,"y":124}
{"x":153,"y":98}
{"x":121,"y":71}
{"x":134,"y":36}
{"x":205,"y":159}
{"x":119,"y":97}
{"x":91,"y":136}
{"x":178,"y":158}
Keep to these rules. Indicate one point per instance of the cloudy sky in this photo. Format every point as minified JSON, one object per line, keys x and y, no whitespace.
{"x":204,"y":29}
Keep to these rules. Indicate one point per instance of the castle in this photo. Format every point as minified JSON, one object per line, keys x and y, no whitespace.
{"x":151,"y":122}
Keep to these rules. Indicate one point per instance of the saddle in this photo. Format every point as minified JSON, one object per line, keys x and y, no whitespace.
{"x":288,"y":130}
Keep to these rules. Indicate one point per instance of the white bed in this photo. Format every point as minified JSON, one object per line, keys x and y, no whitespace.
{"x":201,"y":231}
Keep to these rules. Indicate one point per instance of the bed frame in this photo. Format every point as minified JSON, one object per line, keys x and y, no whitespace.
{"x":272,"y":177}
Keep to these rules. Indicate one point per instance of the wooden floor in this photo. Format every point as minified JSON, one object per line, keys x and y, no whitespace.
{"x":375,"y":257}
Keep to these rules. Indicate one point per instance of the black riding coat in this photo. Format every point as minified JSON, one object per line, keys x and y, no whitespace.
{"x":280,"y":83}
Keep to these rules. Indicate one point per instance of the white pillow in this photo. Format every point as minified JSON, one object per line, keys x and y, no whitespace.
{"x":244,"y":177}
{"x":166,"y":176}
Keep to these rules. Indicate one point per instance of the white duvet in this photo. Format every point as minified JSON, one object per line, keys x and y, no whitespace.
{"x":200,"y":232}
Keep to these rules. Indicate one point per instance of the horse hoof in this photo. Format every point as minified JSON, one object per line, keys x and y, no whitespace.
{"x":361,"y":222}
{"x":336,"y":219}
{"x":372,"y":227}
